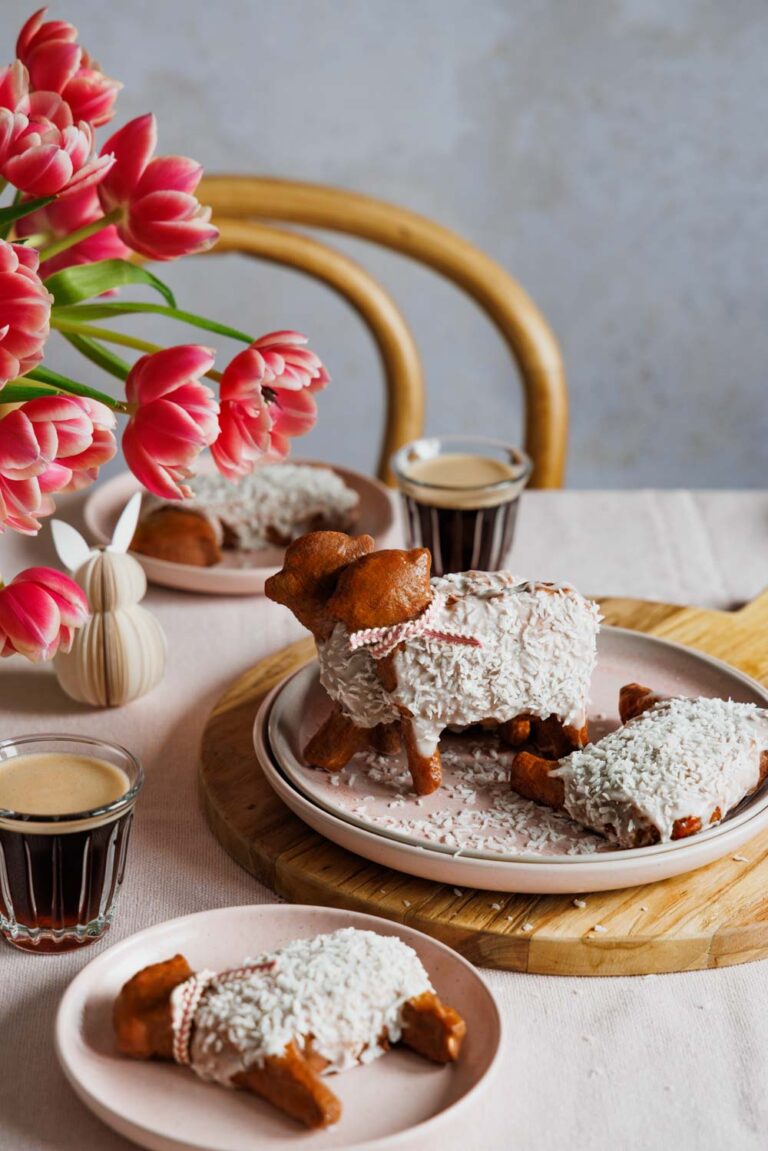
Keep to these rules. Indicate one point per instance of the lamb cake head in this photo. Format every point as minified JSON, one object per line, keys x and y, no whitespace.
{"x":310,"y":572}
{"x":383,"y":589}
{"x":403,"y":656}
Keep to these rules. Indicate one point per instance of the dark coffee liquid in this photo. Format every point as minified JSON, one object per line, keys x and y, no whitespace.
{"x":462,"y":539}
{"x":58,"y":882}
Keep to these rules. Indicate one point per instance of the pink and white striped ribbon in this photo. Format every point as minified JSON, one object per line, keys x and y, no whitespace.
{"x":191,"y":995}
{"x":382,"y":640}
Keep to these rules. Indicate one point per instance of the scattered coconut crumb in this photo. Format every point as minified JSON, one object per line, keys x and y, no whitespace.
{"x":579,"y":903}
{"x":643,"y":907}
{"x":407,"y":902}
{"x":740,"y":859}
{"x":600,"y":929}
{"x":527,"y":927}
{"x":496,"y":907}
{"x":458,"y":892}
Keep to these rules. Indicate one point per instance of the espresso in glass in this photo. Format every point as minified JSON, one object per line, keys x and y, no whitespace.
{"x":460,"y":497}
{"x":66,"y":806}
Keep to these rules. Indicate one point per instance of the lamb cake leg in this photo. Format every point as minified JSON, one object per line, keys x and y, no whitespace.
{"x":634,"y":699}
{"x":335,"y":742}
{"x":426,"y":770}
{"x":530,"y":777}
{"x":385,"y":738}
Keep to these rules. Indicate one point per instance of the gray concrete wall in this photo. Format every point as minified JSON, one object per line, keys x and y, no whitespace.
{"x":610,"y":153}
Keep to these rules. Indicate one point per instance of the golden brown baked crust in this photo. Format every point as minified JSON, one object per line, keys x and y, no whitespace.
{"x":179,"y":535}
{"x":383,"y":589}
{"x":311,"y":569}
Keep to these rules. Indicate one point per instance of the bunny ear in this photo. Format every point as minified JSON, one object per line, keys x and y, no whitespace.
{"x":126,"y":525}
{"x":70,"y":546}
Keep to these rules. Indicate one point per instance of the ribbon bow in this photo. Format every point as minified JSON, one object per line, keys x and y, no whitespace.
{"x":382,"y":640}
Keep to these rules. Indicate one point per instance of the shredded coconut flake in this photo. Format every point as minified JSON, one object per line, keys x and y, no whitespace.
{"x":276,"y":503}
{"x":345,"y":990}
{"x":537,"y":653}
{"x":681,"y":759}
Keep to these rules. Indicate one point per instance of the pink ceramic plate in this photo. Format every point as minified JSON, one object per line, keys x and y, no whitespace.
{"x":239,"y":573}
{"x":473,"y":832}
{"x":399,"y":1101}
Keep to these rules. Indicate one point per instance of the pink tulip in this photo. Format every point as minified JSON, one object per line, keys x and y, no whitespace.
{"x":162,"y":219}
{"x":24,"y":502}
{"x":65,"y":216}
{"x":73,"y":432}
{"x":266,"y":398}
{"x":57,"y":63}
{"x":173,"y":418}
{"x":244,"y":420}
{"x":41,"y":159}
{"x":40,"y":610}
{"x":25,"y":311}
{"x":84,"y":465}
{"x":14,"y":86}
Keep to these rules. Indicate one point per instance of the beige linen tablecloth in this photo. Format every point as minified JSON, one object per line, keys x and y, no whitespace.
{"x":675,"y":1061}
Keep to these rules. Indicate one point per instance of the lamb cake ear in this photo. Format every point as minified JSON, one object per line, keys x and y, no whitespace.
{"x":383,"y":589}
{"x":308,"y":578}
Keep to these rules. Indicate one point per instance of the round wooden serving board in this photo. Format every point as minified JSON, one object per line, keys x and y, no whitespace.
{"x":710,"y":918}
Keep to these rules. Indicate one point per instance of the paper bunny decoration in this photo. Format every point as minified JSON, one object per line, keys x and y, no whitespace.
{"x":119,"y":654}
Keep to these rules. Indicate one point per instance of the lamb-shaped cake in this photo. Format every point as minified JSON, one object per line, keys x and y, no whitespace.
{"x":675,"y":767}
{"x":401,"y":654}
{"x":278,"y":1025}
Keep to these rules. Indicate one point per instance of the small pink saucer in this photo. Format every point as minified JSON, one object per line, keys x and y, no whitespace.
{"x":398,"y":1101}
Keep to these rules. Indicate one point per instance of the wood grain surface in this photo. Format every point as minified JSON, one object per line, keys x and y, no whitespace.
{"x":710,"y":918}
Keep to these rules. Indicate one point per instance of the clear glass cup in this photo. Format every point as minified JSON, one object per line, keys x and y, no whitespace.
{"x":460,"y":496}
{"x":60,"y":874}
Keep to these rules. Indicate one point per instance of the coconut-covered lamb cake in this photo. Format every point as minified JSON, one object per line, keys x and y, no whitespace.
{"x":403,"y":654}
{"x":674,"y":768}
{"x":283,"y":1021}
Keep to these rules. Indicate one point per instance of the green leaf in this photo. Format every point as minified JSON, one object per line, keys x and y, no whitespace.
{"x":86,"y":312}
{"x":17,"y":211}
{"x":19,"y":393}
{"x":85,"y":281}
{"x":99,"y":355}
{"x":73,"y":387}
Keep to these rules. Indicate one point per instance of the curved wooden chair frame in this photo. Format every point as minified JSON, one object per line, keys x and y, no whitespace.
{"x":530,"y":339}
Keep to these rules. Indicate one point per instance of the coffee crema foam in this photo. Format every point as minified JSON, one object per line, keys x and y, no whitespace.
{"x":461,"y":480}
{"x":57,"y":783}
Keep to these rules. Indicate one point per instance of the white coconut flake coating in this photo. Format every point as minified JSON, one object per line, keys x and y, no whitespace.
{"x":681,"y":759}
{"x":537,"y":655}
{"x":346,"y":990}
{"x":277,"y":502}
{"x":351,"y":679}
{"x":474,"y":811}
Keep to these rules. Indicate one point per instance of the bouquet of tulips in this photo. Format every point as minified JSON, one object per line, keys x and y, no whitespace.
{"x":76,"y":223}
